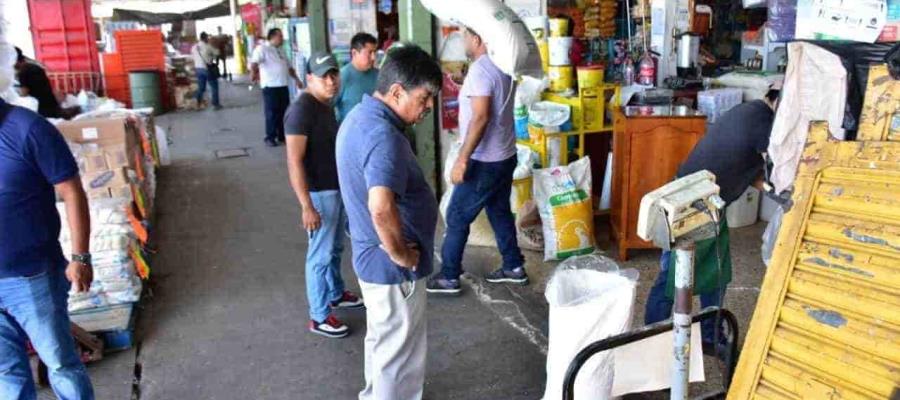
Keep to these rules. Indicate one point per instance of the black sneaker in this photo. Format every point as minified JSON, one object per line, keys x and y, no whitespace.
{"x":438,"y":284}
{"x":516,"y":276}
{"x":271,"y":142}
{"x":330,"y":327}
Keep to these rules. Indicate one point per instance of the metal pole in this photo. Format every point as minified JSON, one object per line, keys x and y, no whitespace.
{"x":681,"y":319}
{"x":236,"y":34}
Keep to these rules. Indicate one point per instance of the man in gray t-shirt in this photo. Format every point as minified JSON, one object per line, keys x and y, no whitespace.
{"x":483,"y":172}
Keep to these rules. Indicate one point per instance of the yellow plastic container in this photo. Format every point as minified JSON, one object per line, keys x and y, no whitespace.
{"x":561,"y":78}
{"x":544,"y":49}
{"x":590,"y":77}
{"x":521,"y":192}
{"x":559,"y":27}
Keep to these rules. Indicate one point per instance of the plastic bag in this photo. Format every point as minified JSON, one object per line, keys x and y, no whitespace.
{"x":563,"y":196}
{"x":590,"y":300}
{"x":509,"y":42}
{"x":529,"y":232}
{"x":770,"y":235}
{"x":782,"y":20}
{"x":528,"y":92}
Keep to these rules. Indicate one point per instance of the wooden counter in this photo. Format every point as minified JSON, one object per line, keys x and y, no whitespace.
{"x":649,"y":144}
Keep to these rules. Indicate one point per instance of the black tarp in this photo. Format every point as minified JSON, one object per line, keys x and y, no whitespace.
{"x":217,"y":10}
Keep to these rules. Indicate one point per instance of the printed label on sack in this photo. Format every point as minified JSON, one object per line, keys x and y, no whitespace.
{"x":89,"y":133}
{"x":573,"y":217}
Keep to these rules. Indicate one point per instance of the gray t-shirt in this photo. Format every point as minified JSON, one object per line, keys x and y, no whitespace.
{"x":309,"y":117}
{"x":484,"y":79}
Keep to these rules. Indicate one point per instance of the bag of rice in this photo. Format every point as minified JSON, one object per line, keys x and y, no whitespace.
{"x":563,"y":196}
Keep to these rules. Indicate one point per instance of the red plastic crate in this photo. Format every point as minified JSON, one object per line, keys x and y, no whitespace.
{"x":141,"y":50}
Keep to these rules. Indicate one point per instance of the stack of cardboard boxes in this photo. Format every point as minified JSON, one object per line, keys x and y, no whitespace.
{"x":116,"y":159}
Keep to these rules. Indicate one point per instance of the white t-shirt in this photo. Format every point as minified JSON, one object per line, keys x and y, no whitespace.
{"x":273,"y":65}
{"x":203,"y":54}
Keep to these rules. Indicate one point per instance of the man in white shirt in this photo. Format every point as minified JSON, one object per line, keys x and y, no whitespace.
{"x":269,"y":66}
{"x":207,"y":73}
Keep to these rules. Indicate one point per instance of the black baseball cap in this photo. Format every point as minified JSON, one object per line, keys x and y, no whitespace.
{"x":321,"y":63}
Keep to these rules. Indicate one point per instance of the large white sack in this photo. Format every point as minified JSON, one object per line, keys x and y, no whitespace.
{"x":563,"y":197}
{"x":509,"y":42}
{"x":586,"y":305}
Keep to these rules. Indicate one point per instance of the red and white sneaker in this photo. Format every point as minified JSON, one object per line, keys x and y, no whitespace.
{"x":331,"y":327}
{"x":348,"y":300}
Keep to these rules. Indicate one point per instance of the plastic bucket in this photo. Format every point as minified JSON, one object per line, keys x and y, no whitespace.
{"x":560,"y":47}
{"x":145,"y":90}
{"x":559,"y":27}
{"x":590,"y":77}
{"x":561,"y":78}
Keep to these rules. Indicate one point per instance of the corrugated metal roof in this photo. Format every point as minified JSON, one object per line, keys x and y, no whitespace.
{"x":827,"y":324}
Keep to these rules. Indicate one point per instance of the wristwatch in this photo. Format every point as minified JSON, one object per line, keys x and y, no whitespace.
{"x":84,"y":258}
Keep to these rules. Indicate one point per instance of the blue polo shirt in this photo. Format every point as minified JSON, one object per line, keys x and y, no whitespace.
{"x":371,"y":152}
{"x":33,"y":157}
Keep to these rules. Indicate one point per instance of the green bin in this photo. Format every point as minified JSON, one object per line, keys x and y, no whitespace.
{"x":145,"y":90}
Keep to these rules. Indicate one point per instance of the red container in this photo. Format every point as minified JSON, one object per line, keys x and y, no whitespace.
{"x":141,"y":50}
{"x":64,"y":35}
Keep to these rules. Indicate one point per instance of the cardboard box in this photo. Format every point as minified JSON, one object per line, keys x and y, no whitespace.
{"x":95,"y":161}
{"x":104,"y":132}
{"x":102,"y":193}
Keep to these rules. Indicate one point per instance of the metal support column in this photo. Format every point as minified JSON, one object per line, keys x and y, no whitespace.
{"x":416,"y":27}
{"x":318,"y":25}
{"x":681,"y":319}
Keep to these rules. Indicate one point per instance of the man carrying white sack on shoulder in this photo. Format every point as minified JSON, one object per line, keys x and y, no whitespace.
{"x":483,"y":172}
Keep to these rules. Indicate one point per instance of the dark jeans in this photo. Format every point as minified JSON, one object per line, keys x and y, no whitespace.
{"x":275,"y":103}
{"x":659,"y":307}
{"x":202,"y":79}
{"x":487,"y":185}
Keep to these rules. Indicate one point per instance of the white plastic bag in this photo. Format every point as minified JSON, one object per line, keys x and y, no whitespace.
{"x":509,"y":42}
{"x":563,"y":197}
{"x":590,"y":300}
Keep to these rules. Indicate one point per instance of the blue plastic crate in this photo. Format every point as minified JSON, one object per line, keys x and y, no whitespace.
{"x":118,"y":340}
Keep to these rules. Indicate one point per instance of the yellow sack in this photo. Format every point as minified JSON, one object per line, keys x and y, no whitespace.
{"x":563,"y":196}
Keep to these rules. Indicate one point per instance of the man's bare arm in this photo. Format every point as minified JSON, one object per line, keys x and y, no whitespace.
{"x":79,"y":220}
{"x":296,"y":153}
{"x":481,"y":114}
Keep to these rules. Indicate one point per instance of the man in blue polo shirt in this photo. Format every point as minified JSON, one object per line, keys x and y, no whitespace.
{"x":393,"y":214}
{"x":35,"y":165}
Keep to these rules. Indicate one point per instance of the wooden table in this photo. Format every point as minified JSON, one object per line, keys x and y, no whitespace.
{"x":649,"y":144}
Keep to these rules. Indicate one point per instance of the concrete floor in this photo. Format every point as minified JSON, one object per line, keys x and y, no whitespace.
{"x":225,"y":311}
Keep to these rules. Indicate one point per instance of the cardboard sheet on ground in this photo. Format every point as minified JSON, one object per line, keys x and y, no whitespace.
{"x":647,"y":365}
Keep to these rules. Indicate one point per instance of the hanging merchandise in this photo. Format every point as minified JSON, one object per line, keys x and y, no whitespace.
{"x":629,"y":72}
{"x":600,"y":19}
{"x":560,"y":49}
{"x":647,"y":70}
{"x":563,"y":195}
{"x":510,"y":44}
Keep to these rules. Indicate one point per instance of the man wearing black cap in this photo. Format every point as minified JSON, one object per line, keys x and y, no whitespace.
{"x":310,"y":128}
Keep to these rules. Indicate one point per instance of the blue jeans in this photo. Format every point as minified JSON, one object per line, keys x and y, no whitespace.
{"x":487,"y":185}
{"x":275,"y":103}
{"x":659,"y":307}
{"x":323,"y":257}
{"x":35,"y":308}
{"x":202,"y":79}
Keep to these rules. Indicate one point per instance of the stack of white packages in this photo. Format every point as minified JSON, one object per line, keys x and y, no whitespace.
{"x":715,"y":102}
{"x":115,"y":277}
